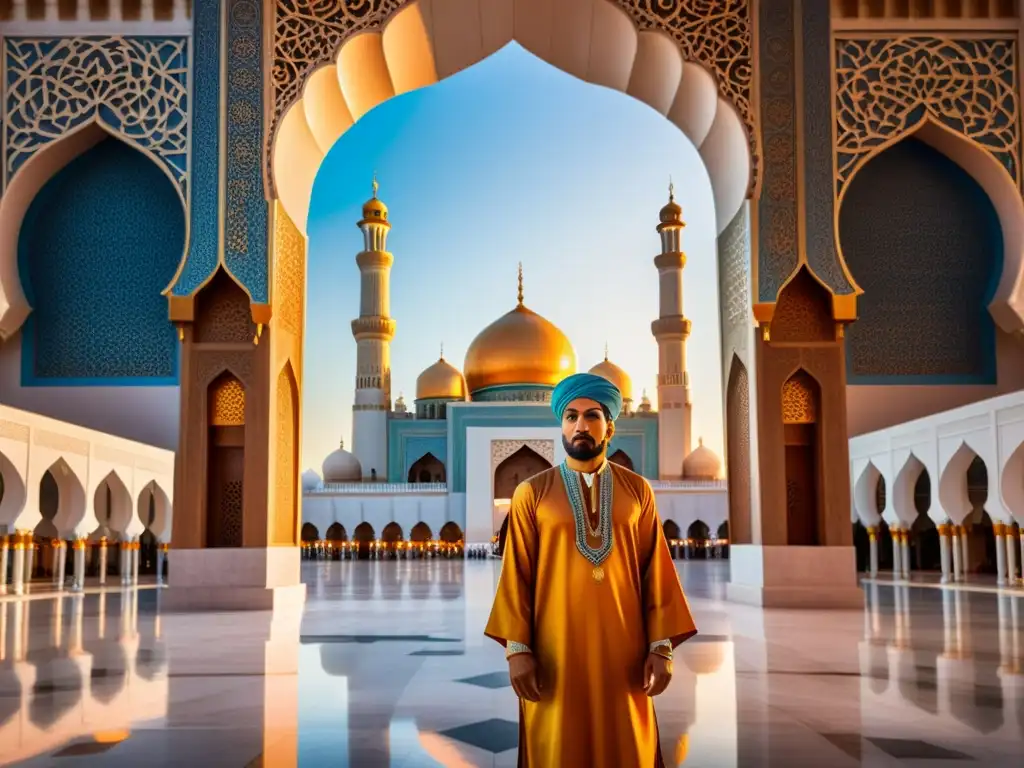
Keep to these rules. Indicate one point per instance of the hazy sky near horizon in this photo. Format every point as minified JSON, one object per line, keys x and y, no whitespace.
{"x":509,"y":161}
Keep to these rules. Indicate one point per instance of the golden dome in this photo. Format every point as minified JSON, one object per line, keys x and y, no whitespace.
{"x":702,"y":463}
{"x":616,"y":376}
{"x":520,"y":347}
{"x":374,"y":209}
{"x":672,"y":214}
{"x":442,"y":380}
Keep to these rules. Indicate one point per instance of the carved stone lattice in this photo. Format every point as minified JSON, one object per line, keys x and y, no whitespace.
{"x":214,"y":362}
{"x":502,"y":449}
{"x":799,"y":399}
{"x":885,"y":87}
{"x":714,"y":33}
{"x":734,"y":256}
{"x":231,"y":514}
{"x":289,"y":272}
{"x":227,"y":403}
{"x":135,"y":86}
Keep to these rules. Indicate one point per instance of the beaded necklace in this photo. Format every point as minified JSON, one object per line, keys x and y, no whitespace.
{"x":573,"y":488}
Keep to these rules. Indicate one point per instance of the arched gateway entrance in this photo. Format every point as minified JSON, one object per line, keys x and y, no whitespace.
{"x":330,"y":70}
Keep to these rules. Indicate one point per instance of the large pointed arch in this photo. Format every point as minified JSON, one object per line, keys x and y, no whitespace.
{"x":22,"y":189}
{"x":424,"y":43}
{"x":1007,"y":304}
{"x":287,"y":501}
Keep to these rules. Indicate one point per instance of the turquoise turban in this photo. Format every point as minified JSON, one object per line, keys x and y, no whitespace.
{"x":588,"y":385}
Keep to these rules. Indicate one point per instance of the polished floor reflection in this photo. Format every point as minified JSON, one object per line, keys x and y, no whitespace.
{"x":389,"y":667}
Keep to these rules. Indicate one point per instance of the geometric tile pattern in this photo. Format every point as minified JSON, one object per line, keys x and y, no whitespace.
{"x":494,"y":735}
{"x":491,"y":680}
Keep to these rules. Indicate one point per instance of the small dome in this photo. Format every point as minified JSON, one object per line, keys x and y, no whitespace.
{"x":672,"y":214}
{"x":645,"y":403}
{"x":342,"y":467}
{"x":702,"y":464}
{"x":310,"y":480}
{"x":441,"y":380}
{"x":400,"y":406}
{"x":609,"y":370}
{"x":374,"y":209}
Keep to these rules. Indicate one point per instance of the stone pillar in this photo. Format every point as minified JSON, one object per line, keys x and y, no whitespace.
{"x":1021,"y":536}
{"x":1011,"y":555}
{"x":78,"y":551}
{"x":897,"y":553}
{"x":124,"y":562}
{"x":18,"y":563}
{"x":60,"y":564}
{"x":905,"y":552}
{"x":945,"y":554}
{"x":136,"y":551}
{"x":999,"y":531}
{"x":30,"y":556}
{"x":4,"y":549}
{"x":103,"y":560}
{"x":873,"y":553}
{"x":161,"y":556}
{"x":954,"y":541}
{"x":965,"y":552}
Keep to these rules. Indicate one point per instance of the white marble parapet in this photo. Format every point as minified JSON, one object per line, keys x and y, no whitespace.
{"x":332,"y":489}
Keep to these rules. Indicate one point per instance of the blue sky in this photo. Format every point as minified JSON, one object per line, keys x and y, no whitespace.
{"x":511,"y":160}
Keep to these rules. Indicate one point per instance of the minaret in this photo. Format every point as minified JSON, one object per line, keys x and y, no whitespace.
{"x":373,"y":331}
{"x":671,"y":330}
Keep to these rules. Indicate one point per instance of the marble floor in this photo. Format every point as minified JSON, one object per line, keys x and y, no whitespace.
{"x":387,"y":666}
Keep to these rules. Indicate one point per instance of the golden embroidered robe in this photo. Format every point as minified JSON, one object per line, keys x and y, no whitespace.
{"x":590,"y":638}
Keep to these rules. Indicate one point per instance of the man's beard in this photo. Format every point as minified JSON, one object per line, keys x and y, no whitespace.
{"x":582,"y":449}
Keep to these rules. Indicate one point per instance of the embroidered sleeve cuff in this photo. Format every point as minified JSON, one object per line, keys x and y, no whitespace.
{"x":512,"y":648}
{"x":662,"y":646}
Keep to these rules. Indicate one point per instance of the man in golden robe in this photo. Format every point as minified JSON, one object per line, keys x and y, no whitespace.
{"x":589,"y":605}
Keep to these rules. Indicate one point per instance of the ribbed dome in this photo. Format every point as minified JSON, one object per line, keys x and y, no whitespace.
{"x":441,"y":380}
{"x":310,"y":480}
{"x":520,"y":347}
{"x":342,"y":467}
{"x":616,"y":376}
{"x":702,"y":464}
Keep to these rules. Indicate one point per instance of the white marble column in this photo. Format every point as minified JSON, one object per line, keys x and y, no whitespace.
{"x":954,"y":543}
{"x":4,"y":554}
{"x":161,"y":555}
{"x":60,"y":563}
{"x":30,"y":556}
{"x":103,"y":560}
{"x":905,"y":552}
{"x":1011,"y":555}
{"x":965,"y":551}
{"x":78,"y":552}
{"x":873,"y":553}
{"x":897,"y":551}
{"x":136,"y":546}
{"x":18,"y":564}
{"x":124,"y":564}
{"x":999,"y":530}
{"x":944,"y":552}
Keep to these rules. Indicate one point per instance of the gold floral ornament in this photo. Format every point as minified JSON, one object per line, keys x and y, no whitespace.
{"x":886,"y":87}
{"x":136,"y":87}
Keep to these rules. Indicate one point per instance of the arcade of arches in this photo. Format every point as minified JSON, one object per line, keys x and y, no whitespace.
{"x":391,"y":544}
{"x":786,"y":303}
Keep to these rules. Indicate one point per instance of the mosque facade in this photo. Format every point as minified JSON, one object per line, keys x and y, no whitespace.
{"x":864,"y":159}
{"x":451,"y":463}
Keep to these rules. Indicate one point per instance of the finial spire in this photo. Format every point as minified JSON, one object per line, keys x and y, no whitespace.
{"x":700,"y":441}
{"x":520,"y":283}
{"x":442,"y":350}
{"x":671,"y":189}
{"x":376,"y":186}
{"x":341,"y":443}
{"x":606,"y":351}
